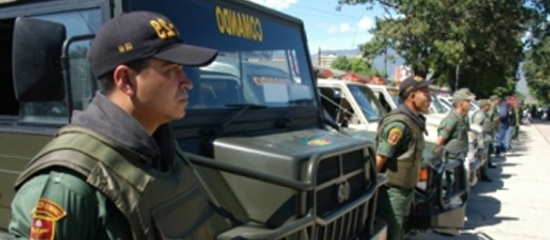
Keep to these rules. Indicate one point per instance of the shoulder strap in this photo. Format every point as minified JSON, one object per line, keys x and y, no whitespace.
{"x":80,"y":149}
{"x":73,"y":160}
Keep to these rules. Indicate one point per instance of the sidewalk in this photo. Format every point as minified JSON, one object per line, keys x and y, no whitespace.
{"x":516,"y":205}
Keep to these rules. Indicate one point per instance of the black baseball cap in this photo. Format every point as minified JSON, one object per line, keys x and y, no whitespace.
{"x":412,"y":83}
{"x":139,"y":35}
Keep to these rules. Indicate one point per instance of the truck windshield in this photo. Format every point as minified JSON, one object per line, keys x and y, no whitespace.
{"x":262,"y":59}
{"x":368,"y":103}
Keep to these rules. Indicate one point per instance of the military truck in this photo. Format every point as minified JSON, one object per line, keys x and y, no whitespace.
{"x":254,"y":131}
{"x":441,"y":193}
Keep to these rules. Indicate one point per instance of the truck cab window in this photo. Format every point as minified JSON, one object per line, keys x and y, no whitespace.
{"x":249,"y":77}
{"x":9,"y":106}
{"x":368,"y":103}
{"x":83,"y":85}
{"x":384,"y":103}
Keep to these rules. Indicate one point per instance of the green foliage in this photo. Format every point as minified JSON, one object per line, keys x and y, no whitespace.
{"x":356,"y":65}
{"x":483,"y":37}
{"x":537,"y":70}
{"x":341,"y":63}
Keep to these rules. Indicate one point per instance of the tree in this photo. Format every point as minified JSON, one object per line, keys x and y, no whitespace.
{"x":359,"y":65}
{"x":356,"y":65}
{"x":482,"y":38}
{"x":537,"y":70}
{"x":341,"y":63}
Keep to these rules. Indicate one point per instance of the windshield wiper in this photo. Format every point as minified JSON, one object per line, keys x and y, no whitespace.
{"x":244,"y":107}
{"x":298,"y":102}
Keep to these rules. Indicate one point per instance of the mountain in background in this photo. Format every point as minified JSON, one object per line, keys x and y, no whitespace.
{"x":340,"y":52}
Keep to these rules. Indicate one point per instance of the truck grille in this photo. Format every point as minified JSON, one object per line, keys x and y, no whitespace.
{"x":334,"y":173}
{"x":348,"y":226}
{"x":340,"y":179}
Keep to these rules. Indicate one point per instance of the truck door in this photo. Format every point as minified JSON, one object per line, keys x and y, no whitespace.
{"x":26,"y":126}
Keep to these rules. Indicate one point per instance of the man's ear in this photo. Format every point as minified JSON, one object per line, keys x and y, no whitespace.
{"x":412,"y":95}
{"x":122,"y":76}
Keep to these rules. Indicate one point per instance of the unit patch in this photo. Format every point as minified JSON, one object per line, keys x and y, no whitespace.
{"x":44,"y":217}
{"x":394,"y":135}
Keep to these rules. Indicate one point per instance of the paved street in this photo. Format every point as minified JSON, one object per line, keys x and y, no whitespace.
{"x":516,"y":205}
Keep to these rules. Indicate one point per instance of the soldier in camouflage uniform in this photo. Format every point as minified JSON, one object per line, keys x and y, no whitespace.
{"x":456,"y":124}
{"x":400,"y":142}
{"x":481,"y":118}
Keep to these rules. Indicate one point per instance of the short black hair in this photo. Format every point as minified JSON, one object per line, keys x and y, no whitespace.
{"x":107,"y":83}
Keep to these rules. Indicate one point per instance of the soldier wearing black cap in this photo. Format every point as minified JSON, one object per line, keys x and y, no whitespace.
{"x":113,"y":173}
{"x":399,"y":147}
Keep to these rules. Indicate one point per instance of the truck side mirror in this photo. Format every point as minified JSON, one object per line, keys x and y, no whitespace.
{"x":37,"y":72}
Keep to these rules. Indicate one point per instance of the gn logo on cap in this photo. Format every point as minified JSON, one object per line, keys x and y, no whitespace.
{"x":418,"y":78}
{"x":163,"y":29}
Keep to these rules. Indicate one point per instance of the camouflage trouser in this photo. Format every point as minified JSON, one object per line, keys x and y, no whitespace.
{"x":394,"y":205}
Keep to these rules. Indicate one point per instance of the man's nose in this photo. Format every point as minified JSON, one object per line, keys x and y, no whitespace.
{"x":185,"y":81}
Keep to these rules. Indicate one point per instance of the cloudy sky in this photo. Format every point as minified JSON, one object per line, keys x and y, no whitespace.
{"x":325,"y":26}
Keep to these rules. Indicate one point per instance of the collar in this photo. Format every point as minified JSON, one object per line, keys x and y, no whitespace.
{"x":419,"y":119}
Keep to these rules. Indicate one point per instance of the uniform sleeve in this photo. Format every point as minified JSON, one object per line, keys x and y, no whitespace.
{"x":390,"y":139}
{"x":477,"y":118}
{"x":446,"y":128}
{"x":57,"y":205}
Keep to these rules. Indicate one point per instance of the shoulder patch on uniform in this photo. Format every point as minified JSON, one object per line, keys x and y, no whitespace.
{"x":394,"y":135}
{"x":44,"y":216}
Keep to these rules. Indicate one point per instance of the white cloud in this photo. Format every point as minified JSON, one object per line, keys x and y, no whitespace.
{"x":276,"y":4}
{"x":365,"y":23}
{"x":332,"y":29}
{"x":344,"y":27}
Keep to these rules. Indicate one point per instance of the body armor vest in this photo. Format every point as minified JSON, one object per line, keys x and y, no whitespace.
{"x":157,"y":205}
{"x":403,"y":170}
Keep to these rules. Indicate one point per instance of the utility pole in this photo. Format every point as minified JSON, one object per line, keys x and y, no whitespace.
{"x":386,"y":62}
{"x":319,"y":57}
{"x":456,"y":76}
